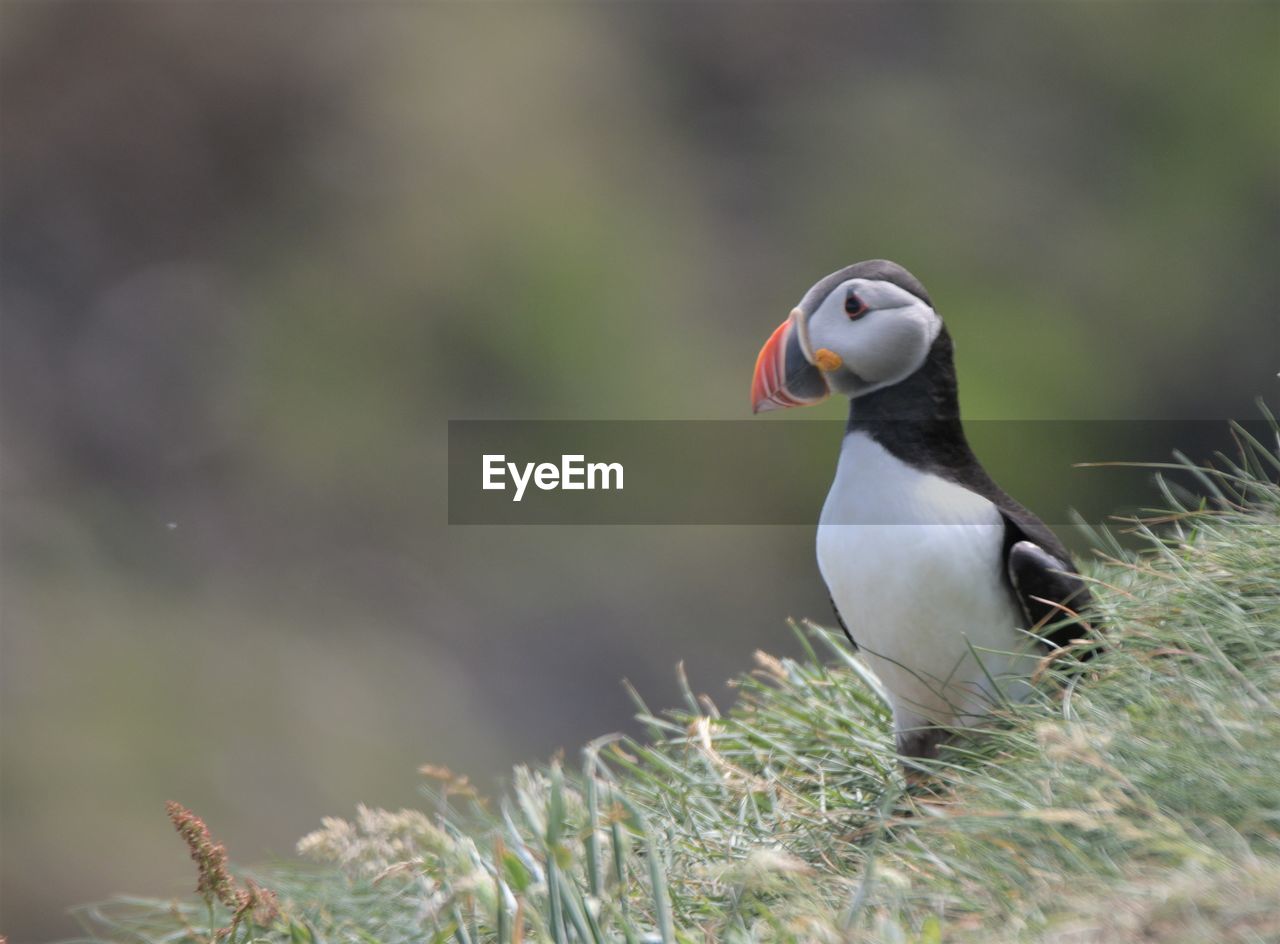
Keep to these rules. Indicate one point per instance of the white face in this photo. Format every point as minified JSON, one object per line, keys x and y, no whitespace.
{"x":881,"y":332}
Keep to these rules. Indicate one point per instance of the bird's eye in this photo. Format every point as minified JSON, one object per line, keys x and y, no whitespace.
{"x":854,"y":307}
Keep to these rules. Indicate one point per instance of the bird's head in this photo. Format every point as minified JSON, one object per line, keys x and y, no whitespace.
{"x":863,"y":328}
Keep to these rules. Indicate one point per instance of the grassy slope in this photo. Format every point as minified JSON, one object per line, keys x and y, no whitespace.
{"x":1140,"y":801}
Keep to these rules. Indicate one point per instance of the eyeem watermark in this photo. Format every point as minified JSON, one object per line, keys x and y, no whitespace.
{"x":573,"y":473}
{"x":758,"y":472}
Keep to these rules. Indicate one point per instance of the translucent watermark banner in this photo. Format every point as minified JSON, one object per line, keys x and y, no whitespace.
{"x":754,"y":472}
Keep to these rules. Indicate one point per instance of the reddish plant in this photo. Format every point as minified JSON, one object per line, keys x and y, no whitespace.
{"x":215,"y":882}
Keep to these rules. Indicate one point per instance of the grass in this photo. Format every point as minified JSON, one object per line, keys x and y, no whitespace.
{"x":1136,"y":798}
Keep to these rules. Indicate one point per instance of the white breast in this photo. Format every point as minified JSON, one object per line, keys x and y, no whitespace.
{"x":914,"y":566}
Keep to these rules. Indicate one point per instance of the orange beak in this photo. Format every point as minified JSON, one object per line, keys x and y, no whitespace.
{"x":784,"y":376}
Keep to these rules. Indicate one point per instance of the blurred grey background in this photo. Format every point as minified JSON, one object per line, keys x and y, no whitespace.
{"x":256,"y":255}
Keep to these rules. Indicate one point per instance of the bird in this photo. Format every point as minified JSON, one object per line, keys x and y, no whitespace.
{"x":950,"y":589}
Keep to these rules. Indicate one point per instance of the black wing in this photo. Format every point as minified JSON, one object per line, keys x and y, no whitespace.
{"x":1046,"y":586}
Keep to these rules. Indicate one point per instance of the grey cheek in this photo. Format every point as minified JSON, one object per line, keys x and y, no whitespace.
{"x":893,"y":357}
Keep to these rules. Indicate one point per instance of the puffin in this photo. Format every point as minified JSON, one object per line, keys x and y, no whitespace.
{"x":950,"y":589}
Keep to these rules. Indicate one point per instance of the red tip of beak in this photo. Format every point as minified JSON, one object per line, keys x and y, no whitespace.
{"x":768,"y":384}
{"x":771,"y":388}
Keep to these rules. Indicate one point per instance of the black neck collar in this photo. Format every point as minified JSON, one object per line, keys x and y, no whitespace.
{"x":928,"y":399}
{"x":918,"y":419}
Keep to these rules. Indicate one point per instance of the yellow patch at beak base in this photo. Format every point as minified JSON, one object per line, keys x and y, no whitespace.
{"x":827,"y":360}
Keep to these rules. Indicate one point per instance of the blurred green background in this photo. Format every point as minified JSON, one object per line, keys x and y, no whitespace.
{"x":256,"y":255}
